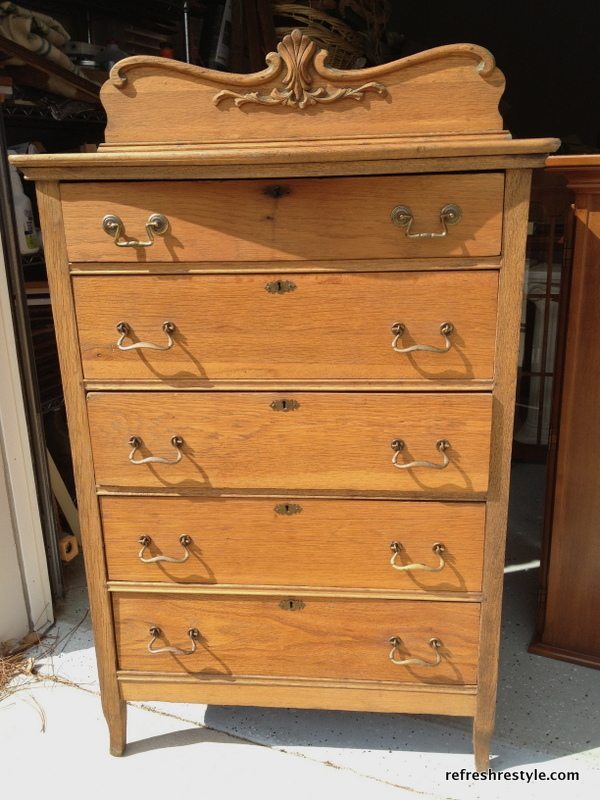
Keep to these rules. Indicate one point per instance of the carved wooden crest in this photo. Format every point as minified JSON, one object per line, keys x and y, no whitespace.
{"x":445,"y":99}
{"x":297,"y":52}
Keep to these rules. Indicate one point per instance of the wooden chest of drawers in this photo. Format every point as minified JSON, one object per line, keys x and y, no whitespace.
{"x":288,"y":306}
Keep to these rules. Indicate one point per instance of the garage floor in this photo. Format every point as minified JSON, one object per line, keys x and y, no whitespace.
{"x":548,"y":718}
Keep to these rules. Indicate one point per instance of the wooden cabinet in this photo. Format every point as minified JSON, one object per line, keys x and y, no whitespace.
{"x":570,"y":589}
{"x":288,"y":325}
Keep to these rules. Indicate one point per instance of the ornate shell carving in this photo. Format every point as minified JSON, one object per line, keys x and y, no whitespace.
{"x":298,"y":52}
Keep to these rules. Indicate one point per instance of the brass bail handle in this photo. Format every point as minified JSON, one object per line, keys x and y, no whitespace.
{"x":124,"y":329}
{"x":442,"y":445}
{"x":434,"y":643}
{"x":184,"y":540}
{"x":438,"y":548}
{"x":157,"y":224}
{"x":155,"y":632}
{"x":398,"y":329}
{"x":450,"y":214}
{"x":136,"y":442}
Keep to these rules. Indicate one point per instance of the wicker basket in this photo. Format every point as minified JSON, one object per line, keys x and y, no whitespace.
{"x":344,"y":45}
{"x":371,"y":17}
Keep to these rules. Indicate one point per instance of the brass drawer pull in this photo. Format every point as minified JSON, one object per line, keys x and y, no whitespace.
{"x":155,"y":632}
{"x":157,"y":224}
{"x":438,"y":548}
{"x":450,"y":214}
{"x":442,"y":445}
{"x":184,"y":540}
{"x":446,"y":328}
{"x":124,"y":330}
{"x":136,"y":443}
{"x":396,"y":641}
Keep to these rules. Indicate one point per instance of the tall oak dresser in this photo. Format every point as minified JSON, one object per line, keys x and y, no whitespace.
{"x":287,"y":307}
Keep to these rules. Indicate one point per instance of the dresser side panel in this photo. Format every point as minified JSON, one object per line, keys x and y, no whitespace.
{"x":516,"y":205}
{"x":49,"y":203}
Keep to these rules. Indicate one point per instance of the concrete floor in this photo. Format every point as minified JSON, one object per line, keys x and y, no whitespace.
{"x":548,"y":718}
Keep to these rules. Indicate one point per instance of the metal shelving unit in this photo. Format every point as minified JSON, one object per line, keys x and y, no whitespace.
{"x":62,"y":125}
{"x":27,"y":113}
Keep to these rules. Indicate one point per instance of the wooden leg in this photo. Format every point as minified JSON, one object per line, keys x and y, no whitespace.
{"x":482,"y":740}
{"x":116,"y":717}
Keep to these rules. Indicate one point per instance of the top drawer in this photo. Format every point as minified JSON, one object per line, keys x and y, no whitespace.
{"x":287,"y":220}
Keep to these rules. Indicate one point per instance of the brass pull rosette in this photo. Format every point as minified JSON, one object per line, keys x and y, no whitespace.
{"x":450,"y":214}
{"x":157,"y":225}
{"x":136,"y":443}
{"x":184,"y":540}
{"x":442,"y":445}
{"x":124,"y":329}
{"x":155,"y":632}
{"x":446,"y":329}
{"x":438,"y":548}
{"x":435,"y":644}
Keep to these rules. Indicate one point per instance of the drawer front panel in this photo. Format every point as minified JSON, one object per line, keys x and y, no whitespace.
{"x":323,"y":638}
{"x":295,"y":441}
{"x":256,"y":541}
{"x":298,"y":327}
{"x":289,"y":220}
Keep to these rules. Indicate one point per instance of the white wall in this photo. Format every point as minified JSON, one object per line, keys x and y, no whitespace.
{"x":25,"y":600}
{"x":14,"y":619}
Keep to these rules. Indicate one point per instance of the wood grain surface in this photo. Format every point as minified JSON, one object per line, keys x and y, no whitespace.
{"x":326,"y":327}
{"x":292,"y":173}
{"x":518,"y":184}
{"x":336,"y":543}
{"x":360,"y":157}
{"x":332,"y":441}
{"x":570,"y":621}
{"x":453,"y":89}
{"x":279,"y":268}
{"x":326,"y":638}
{"x":115,"y":710}
{"x":296,"y":219}
{"x":455,"y":700}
